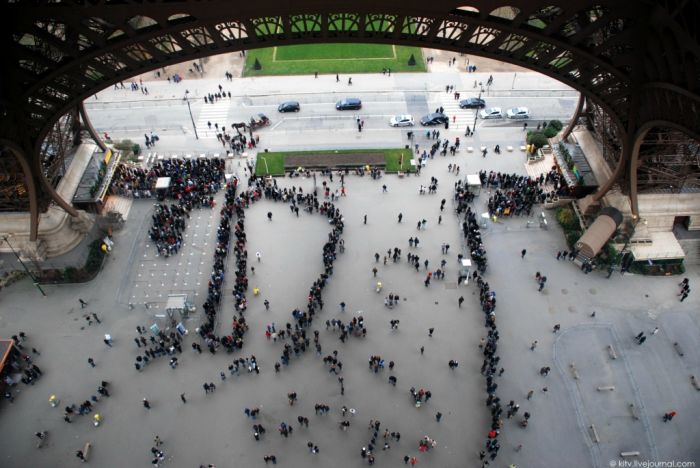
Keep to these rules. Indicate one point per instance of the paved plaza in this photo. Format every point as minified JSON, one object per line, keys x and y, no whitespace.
{"x":132,"y":288}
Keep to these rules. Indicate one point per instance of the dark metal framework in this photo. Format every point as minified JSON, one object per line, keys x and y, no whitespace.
{"x":637,"y":60}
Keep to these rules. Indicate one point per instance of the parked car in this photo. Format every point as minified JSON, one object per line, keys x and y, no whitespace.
{"x":348,"y":104}
{"x":491,"y":113}
{"x":436,"y":118}
{"x":289,"y":106}
{"x":401,"y":121}
{"x":472,"y":103}
{"x":518,"y":113}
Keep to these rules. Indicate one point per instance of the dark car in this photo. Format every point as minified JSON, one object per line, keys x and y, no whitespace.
{"x":289,"y":106}
{"x":436,"y":118}
{"x":472,"y":103}
{"x":348,"y":104}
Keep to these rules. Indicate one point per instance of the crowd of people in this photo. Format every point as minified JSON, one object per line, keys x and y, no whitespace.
{"x":489,"y":367}
{"x":233,"y":204}
{"x":19,"y":366}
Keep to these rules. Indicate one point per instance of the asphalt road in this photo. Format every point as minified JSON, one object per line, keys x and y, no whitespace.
{"x":172,"y":115}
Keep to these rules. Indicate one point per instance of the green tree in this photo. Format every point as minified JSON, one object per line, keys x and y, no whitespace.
{"x":537,"y":138}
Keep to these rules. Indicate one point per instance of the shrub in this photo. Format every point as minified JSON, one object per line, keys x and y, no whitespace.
{"x":412,"y":61}
{"x":136,"y":148}
{"x":550,"y":132}
{"x":572,"y":237}
{"x":556,"y":124}
{"x":70,"y":274}
{"x":124,"y":145}
{"x":95,"y":257}
{"x":567,"y":219}
{"x":256,"y":65}
{"x":537,"y":138}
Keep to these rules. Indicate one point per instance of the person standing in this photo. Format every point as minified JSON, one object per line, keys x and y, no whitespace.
{"x":91,"y":361}
{"x":460,"y":301}
{"x":522,"y":253}
{"x":669,"y":416}
{"x":182,"y":397}
{"x":83,"y":305}
{"x":146,"y":404}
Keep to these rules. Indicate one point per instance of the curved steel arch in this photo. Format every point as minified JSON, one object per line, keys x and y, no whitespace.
{"x":637,"y":59}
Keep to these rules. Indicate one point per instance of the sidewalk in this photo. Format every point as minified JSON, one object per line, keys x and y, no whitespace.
{"x":439,"y":76}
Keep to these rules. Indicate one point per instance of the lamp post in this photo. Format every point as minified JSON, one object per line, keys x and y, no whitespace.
{"x":187,"y":92}
{"x":31,"y":275}
{"x":476,"y":114}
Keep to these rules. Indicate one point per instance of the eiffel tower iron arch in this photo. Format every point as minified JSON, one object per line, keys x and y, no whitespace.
{"x":637,"y":60}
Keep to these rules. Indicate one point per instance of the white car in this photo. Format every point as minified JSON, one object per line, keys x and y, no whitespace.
{"x":401,"y":121}
{"x":518,"y":113}
{"x":491,"y":113}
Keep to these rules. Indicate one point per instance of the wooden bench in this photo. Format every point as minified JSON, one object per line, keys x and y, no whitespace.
{"x":574,"y":371}
{"x":509,"y":148}
{"x":678,"y":348}
{"x":695,"y":383}
{"x":86,"y":451}
{"x":629,"y":454}
{"x":611,"y":352}
{"x":470,"y":149}
{"x":594,"y":434}
{"x":633,"y":410}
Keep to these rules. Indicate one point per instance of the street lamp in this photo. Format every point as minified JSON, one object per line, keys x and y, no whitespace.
{"x":476,"y":114}
{"x":187,"y":91}
{"x":31,"y":275}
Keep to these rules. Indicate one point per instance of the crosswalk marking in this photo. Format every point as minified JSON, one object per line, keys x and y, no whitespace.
{"x":462,"y":117}
{"x":216,"y":113}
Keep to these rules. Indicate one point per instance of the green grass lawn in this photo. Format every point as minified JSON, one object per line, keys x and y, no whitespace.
{"x":275,"y":159}
{"x":334,"y":51}
{"x":332,"y":58}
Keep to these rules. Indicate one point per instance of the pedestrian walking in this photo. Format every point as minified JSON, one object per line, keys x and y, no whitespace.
{"x":430,"y":331}
{"x":422,"y":348}
{"x":146,"y":404}
{"x":438,"y":416}
{"x":556,"y":328}
{"x":365,"y":220}
{"x":460,"y":301}
{"x":400,"y":217}
{"x":182,"y":397}
{"x":94,"y":315}
{"x":530,"y":393}
{"x":83,"y":305}
{"x":91,"y":361}
{"x":669,"y":416}
{"x":522,"y":253}
{"x":533,"y":345}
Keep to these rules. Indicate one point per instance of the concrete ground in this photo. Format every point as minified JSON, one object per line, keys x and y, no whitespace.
{"x":212,"y":429}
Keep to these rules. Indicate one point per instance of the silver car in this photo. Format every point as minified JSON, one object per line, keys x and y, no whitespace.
{"x":401,"y":121}
{"x":518,"y":113}
{"x":491,"y":113}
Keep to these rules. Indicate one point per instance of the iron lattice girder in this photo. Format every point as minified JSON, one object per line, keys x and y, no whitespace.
{"x":580,"y":35}
{"x":638,"y":60}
